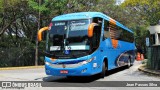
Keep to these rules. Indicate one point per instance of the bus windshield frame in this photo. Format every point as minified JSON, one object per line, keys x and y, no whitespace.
{"x":68,"y":37}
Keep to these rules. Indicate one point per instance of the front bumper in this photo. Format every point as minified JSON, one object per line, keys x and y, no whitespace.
{"x":83,"y":70}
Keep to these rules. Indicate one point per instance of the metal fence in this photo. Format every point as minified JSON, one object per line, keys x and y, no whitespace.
{"x":10,"y":57}
{"x":154,"y":57}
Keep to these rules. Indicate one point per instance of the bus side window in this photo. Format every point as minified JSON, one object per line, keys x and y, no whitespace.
{"x":113,"y":31}
{"x":125,"y":35}
{"x":119,"y":33}
{"x":106,"y":30}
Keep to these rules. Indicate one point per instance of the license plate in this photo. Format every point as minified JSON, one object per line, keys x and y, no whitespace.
{"x":63,"y":71}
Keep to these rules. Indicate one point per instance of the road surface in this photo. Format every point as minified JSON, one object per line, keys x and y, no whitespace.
{"x":121,"y":74}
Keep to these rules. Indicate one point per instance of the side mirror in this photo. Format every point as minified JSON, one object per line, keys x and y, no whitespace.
{"x":40,"y":33}
{"x":91,"y":28}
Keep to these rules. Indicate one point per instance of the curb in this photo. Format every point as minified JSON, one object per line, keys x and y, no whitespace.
{"x":25,"y":67}
{"x":144,"y":69}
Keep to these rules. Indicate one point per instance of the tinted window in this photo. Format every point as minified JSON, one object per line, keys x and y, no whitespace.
{"x":113,"y":31}
{"x":78,"y":28}
{"x":126,"y":36}
{"x":106,"y":29}
{"x":117,"y":33}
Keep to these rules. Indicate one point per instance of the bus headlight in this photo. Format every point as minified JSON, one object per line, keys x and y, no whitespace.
{"x":87,"y":61}
{"x":47,"y":63}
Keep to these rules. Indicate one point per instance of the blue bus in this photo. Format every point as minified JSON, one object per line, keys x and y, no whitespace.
{"x":86,"y":43}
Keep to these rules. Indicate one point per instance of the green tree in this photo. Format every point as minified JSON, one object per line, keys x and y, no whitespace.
{"x":18,"y":28}
{"x":19,"y":22}
{"x":148,"y":9}
{"x":138,"y":10}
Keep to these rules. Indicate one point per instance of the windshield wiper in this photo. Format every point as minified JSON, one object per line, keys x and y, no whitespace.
{"x":48,"y":54}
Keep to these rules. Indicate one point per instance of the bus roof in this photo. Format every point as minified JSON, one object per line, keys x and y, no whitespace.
{"x":87,"y":15}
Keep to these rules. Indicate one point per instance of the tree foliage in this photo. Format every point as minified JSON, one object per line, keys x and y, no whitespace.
{"x":148,"y":9}
{"x":19,"y":21}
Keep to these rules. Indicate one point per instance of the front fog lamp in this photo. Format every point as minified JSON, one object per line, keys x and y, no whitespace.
{"x":87,"y":61}
{"x":84,"y":70}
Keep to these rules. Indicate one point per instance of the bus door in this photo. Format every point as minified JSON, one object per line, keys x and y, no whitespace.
{"x":96,"y":37}
{"x":96,"y":33}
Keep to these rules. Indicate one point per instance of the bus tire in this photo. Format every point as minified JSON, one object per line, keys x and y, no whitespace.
{"x":103,"y":73}
{"x":129,"y":63}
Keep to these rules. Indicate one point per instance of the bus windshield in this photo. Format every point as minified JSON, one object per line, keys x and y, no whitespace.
{"x":69,"y":35}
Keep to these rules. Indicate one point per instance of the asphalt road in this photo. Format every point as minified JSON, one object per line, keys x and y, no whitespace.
{"x":86,"y":83}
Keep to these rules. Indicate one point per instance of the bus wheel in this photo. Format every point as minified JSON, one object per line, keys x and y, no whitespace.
{"x":129,"y":63}
{"x":103,"y":73}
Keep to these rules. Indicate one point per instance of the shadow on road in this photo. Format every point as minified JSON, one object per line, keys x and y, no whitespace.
{"x":86,"y":79}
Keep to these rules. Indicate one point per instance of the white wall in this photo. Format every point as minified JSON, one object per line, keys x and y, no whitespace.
{"x":156,"y":31}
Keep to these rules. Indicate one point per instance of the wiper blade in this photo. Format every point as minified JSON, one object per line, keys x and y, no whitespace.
{"x":48,"y":54}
